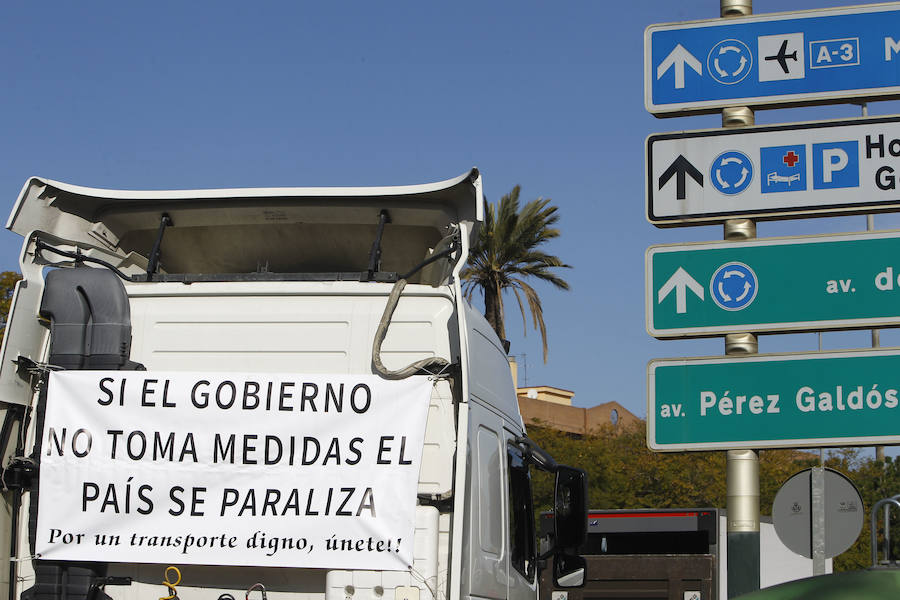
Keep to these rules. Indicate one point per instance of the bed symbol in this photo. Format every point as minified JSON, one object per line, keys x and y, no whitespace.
{"x":775,"y":178}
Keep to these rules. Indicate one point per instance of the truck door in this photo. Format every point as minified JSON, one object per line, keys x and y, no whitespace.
{"x":500,"y":538}
{"x":522,"y":555}
{"x":485,"y":537}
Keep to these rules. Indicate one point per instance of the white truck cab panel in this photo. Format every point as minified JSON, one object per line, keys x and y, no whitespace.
{"x":275,"y":280}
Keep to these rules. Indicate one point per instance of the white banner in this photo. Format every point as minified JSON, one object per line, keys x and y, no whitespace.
{"x":231,"y":469}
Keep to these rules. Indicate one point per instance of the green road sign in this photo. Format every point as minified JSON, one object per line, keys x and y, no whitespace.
{"x":774,"y":401}
{"x":849,"y":281}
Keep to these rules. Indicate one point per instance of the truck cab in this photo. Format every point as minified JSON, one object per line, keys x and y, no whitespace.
{"x":305,"y":286}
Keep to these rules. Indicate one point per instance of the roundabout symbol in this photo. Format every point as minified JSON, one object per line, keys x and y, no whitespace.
{"x":731,"y":172}
{"x":733,"y":286}
{"x":729,"y":61}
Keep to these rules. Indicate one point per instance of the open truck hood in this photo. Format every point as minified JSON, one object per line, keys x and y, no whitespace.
{"x":291,"y":234}
{"x":252,"y":229}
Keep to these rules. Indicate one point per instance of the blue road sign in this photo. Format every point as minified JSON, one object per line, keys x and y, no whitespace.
{"x":818,"y":56}
{"x":733,"y":286}
{"x":731,"y":172}
{"x":730,"y":61}
{"x":785,"y":168}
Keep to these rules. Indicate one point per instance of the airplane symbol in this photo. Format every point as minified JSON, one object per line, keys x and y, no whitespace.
{"x":782,"y":57}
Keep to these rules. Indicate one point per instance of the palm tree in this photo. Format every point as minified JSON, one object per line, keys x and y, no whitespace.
{"x":8,"y":280}
{"x":507,"y":252}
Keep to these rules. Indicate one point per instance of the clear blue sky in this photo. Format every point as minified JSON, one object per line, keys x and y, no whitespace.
{"x":548,"y":95}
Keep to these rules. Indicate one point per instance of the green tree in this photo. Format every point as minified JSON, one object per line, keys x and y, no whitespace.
{"x":507,"y":253}
{"x":8,"y":281}
{"x":623,"y":473}
{"x":875,"y":481}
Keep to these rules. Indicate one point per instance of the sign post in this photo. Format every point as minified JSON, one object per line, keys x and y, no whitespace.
{"x":737,"y":176}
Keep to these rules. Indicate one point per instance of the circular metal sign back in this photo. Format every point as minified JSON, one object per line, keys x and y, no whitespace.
{"x":793,"y":518}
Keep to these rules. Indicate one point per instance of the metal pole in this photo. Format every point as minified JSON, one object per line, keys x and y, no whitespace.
{"x":742,"y":466}
{"x":743,"y":521}
{"x":876,"y":343}
{"x":817,"y":515}
{"x":735,"y":8}
{"x":876,"y":335}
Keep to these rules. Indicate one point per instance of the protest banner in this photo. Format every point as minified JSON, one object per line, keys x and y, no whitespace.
{"x":231,"y":469}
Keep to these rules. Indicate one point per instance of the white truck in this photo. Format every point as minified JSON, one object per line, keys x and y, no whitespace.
{"x":223,"y":294}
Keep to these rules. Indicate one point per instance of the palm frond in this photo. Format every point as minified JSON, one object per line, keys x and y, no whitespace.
{"x":537,"y":313}
{"x":507,"y":251}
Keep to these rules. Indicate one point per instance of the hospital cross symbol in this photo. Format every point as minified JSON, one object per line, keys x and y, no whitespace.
{"x":790,"y":159}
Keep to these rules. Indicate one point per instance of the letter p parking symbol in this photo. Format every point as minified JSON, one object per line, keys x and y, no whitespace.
{"x":836,"y":165}
{"x":833,"y":159}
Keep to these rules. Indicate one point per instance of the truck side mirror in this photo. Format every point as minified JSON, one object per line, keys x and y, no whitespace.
{"x":570,"y":509}
{"x":568,"y":570}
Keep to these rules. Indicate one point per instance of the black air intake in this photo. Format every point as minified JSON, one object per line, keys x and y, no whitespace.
{"x":90,"y":329}
{"x":90,"y":320}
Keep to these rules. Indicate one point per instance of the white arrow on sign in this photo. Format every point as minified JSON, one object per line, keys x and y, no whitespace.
{"x":677,"y":58}
{"x":681,"y":282}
